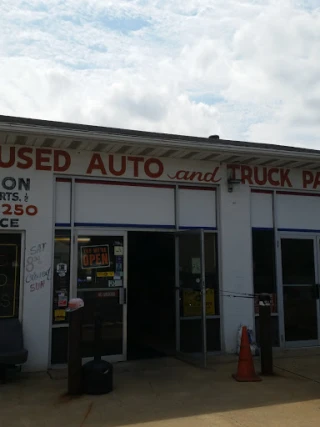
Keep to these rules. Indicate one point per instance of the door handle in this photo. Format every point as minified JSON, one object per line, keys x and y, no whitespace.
{"x":122,"y":296}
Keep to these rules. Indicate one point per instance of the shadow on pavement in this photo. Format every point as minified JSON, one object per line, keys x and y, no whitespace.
{"x":150,"y":391}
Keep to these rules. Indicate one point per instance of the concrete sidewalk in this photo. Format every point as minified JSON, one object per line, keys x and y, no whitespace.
{"x":166,"y":392}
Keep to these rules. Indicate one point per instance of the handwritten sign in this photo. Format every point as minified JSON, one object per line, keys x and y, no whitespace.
{"x":36,"y":274}
{"x":8,"y":279}
{"x":95,"y":256}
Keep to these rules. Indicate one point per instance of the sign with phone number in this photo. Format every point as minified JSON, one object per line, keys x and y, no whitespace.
{"x":8,"y":210}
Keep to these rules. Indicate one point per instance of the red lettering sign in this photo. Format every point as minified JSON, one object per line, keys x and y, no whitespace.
{"x":136,"y":161}
{"x":96,"y":163}
{"x":43,"y":159}
{"x":112,"y":169}
{"x":185,"y":175}
{"x":61,"y":161}
{"x":148,"y":166}
{"x":25,"y":161}
{"x":255,"y":175}
{"x":308,"y":178}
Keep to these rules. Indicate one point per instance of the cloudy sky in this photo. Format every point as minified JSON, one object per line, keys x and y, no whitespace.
{"x":243,"y":69}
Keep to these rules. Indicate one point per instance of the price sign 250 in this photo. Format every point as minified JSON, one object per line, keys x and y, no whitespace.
{"x":19,"y":210}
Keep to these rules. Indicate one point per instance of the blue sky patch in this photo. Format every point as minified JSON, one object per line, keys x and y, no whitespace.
{"x":123,"y":24}
{"x":207,"y":98}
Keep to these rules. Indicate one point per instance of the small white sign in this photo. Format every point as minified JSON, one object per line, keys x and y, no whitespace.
{"x":62,"y":269}
{"x":196,"y":266}
{"x":118,"y":250}
{"x":115,"y":283}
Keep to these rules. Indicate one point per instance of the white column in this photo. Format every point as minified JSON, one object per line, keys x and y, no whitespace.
{"x":235,"y":263}
{"x":38,"y":274}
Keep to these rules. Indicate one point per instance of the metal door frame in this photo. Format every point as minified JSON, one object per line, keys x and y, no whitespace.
{"x":199,"y":232}
{"x":316,"y":253}
{"x":105,"y":232}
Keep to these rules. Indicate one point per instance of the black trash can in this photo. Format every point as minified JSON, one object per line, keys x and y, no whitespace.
{"x":97,"y":377}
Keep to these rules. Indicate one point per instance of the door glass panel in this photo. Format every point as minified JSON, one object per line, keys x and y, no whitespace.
{"x":299,"y":293}
{"x":61,"y":276}
{"x":191,"y":328}
{"x":298,"y":261}
{"x":300,"y":313}
{"x":100,"y":284}
{"x":211,"y":274}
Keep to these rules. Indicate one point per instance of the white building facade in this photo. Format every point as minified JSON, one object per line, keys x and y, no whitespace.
{"x":83,"y":208}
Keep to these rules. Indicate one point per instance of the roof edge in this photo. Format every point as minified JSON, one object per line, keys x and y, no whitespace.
{"x":12,"y":123}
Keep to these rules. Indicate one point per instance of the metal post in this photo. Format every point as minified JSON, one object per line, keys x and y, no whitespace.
{"x":97,"y":337}
{"x":204,"y":299}
{"x":265,"y":334}
{"x":74,"y":352}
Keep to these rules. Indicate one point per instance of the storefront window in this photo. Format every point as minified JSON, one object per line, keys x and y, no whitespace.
{"x":61,"y":274}
{"x":10,"y":258}
{"x":264,"y":276}
{"x":100,"y":283}
{"x":190,"y":285}
{"x":190,"y":271}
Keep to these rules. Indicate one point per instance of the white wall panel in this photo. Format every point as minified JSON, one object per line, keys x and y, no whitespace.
{"x":236,"y":263}
{"x":298,"y":212}
{"x":120,"y":204}
{"x":63,"y":202}
{"x":261,"y":210}
{"x":197,"y":208}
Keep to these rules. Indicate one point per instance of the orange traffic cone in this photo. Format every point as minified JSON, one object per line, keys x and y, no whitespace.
{"x":246,"y":371}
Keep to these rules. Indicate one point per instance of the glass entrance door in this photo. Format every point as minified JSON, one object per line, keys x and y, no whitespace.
{"x":191,"y":336}
{"x":101,"y":283}
{"x":300,"y":288}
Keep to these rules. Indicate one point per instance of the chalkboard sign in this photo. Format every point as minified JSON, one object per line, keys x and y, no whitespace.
{"x":9,"y":279}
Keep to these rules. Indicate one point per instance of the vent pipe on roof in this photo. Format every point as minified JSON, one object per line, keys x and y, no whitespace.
{"x":214,"y":137}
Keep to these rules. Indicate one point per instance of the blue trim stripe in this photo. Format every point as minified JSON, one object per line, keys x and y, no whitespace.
{"x":94,"y":224}
{"x":262,"y":228}
{"x":197,"y":228}
{"x":104,"y":225}
{"x":300,"y":230}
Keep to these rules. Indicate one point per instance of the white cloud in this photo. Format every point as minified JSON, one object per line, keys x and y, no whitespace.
{"x":153,"y":65}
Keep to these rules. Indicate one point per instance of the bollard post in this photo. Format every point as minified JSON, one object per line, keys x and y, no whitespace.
{"x":75,"y":310}
{"x":265,"y":334}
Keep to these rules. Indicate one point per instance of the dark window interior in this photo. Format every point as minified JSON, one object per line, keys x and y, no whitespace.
{"x":264,"y":276}
{"x":299,"y":290}
{"x":297,"y":261}
{"x":10,"y":264}
{"x":263,"y":261}
{"x":151,"y":294}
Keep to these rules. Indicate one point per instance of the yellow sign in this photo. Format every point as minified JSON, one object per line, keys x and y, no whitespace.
{"x":192,"y":303}
{"x":59,"y":315}
{"x":105,"y":273}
